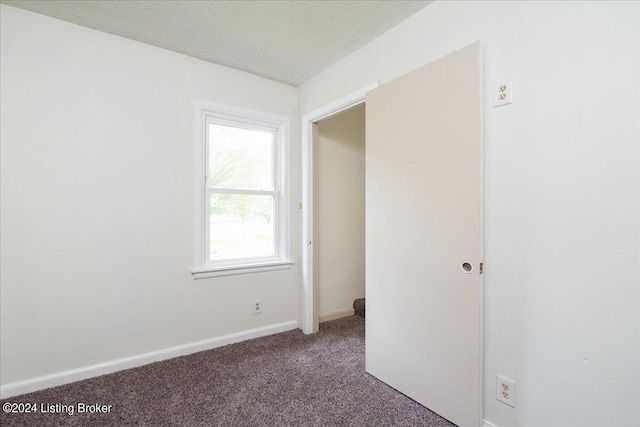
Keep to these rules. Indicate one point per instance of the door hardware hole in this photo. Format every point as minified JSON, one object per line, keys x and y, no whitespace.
{"x":466,"y":267}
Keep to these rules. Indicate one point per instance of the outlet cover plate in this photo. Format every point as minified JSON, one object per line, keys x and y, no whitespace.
{"x":506,"y":391}
{"x":502,"y":93}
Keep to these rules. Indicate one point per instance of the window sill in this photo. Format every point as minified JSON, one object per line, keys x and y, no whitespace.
{"x":231,"y":270}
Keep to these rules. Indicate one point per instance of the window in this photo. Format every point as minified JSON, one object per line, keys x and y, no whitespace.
{"x":241,"y":200}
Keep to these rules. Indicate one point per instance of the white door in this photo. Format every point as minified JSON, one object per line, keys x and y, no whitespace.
{"x":424,"y":235}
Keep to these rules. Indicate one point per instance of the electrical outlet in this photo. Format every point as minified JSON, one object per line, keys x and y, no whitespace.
{"x":257,"y":306}
{"x":506,"y":391}
{"x":502,"y":93}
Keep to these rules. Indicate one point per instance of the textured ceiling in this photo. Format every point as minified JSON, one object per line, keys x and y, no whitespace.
{"x":287,"y":41}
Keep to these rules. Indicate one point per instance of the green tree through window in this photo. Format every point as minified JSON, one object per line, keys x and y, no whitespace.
{"x":240,"y":176}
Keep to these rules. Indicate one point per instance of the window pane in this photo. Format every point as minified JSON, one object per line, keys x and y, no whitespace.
{"x":240,"y":158}
{"x":241,"y":226}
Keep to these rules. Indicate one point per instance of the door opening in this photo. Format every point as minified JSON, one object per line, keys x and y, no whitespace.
{"x":309,"y":205}
{"x":340,"y":200}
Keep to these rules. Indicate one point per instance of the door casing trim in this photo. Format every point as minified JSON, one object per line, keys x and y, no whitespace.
{"x":309,"y":292}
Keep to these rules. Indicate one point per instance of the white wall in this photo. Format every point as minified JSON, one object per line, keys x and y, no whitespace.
{"x":96,"y":197}
{"x":97,"y":172}
{"x":340,"y":158}
{"x":561,"y":195}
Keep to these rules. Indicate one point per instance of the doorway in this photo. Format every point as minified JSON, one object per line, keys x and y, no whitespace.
{"x":340,"y":192}
{"x":309,"y":204}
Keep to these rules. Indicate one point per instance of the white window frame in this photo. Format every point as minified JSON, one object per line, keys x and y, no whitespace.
{"x":207,"y":112}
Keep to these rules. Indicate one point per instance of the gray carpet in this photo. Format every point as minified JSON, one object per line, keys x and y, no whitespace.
{"x":288,"y":379}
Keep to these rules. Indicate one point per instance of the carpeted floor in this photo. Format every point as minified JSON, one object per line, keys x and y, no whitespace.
{"x":288,"y":379}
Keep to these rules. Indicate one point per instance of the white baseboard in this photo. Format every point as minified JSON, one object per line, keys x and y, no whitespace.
{"x":338,"y":314}
{"x":486,"y":423}
{"x":60,"y":378}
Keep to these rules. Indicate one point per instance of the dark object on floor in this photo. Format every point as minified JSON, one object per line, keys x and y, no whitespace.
{"x":288,"y":379}
{"x":358,"y":307}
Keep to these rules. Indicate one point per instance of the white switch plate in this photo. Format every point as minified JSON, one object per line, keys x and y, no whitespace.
{"x":502,"y":93}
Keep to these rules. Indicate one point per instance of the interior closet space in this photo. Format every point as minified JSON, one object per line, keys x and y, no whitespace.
{"x":340,"y":197}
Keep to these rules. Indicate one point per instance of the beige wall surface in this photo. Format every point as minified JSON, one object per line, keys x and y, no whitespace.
{"x":340,"y":162}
